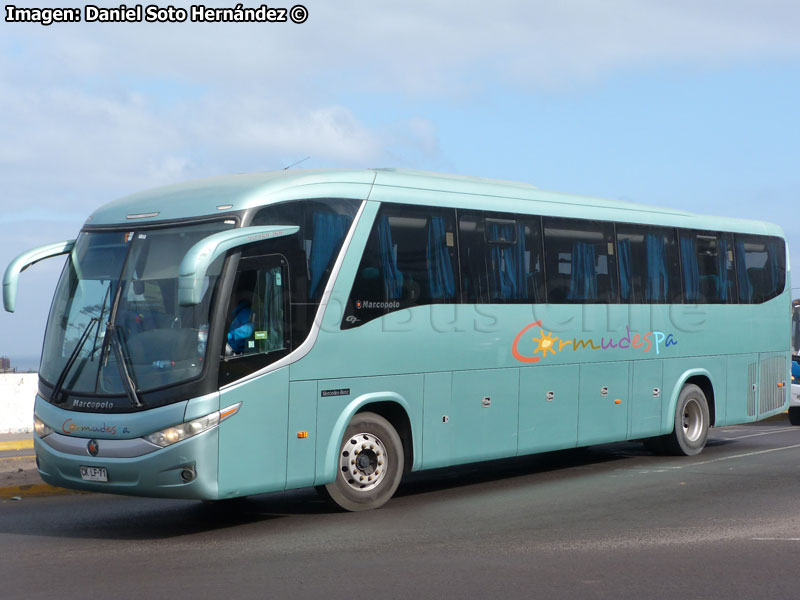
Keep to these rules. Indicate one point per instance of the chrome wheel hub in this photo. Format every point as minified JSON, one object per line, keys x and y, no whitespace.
{"x":692,"y":420}
{"x":362,"y":461}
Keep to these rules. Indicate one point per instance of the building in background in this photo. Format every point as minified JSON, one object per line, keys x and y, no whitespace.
{"x":5,"y":365}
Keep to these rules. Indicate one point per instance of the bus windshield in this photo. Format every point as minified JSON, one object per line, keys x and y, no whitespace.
{"x":161,"y":342}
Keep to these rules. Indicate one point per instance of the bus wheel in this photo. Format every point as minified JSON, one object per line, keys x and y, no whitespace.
{"x":370,"y":464}
{"x":691,"y":423}
{"x":794,"y":415}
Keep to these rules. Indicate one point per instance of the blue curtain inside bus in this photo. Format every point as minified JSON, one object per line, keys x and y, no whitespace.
{"x":329,"y":231}
{"x":583,"y":280}
{"x":722,"y":270}
{"x":392,"y":277}
{"x":508,"y":276}
{"x":271,"y":282}
{"x":624,"y":251}
{"x":657,"y":289}
{"x":745,"y":287}
{"x":691,"y":276}
{"x":774,"y":268}
{"x":440,"y":267}
{"x":520,"y":272}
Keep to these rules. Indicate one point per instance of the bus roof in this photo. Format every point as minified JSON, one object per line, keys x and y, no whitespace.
{"x":230,"y":193}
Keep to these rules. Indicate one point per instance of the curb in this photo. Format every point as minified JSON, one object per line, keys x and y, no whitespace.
{"x":18,"y":492}
{"x":23,"y":480}
{"x":16,"y":445}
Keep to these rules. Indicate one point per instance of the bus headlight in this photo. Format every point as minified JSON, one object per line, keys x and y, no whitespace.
{"x":171,"y":435}
{"x":41,"y":429}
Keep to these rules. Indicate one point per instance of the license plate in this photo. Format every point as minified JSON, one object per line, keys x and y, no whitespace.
{"x":94,"y":474}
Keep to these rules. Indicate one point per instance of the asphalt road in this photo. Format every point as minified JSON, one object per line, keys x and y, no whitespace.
{"x":608,"y":522}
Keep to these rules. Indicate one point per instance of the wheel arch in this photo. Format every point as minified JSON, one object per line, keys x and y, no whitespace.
{"x":703,"y":379}
{"x":391,"y":406}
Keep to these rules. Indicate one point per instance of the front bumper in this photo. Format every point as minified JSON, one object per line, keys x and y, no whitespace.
{"x":156,"y":474}
{"x":794,"y":395}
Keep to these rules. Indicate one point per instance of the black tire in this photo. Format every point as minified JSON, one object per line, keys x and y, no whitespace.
{"x":692,"y":421}
{"x":369,"y":465}
{"x":654,"y":444}
{"x":794,"y":415}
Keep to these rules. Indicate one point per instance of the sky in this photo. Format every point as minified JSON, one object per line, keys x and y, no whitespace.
{"x":685,"y":104}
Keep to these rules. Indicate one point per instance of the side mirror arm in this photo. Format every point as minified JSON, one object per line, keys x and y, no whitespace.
{"x":25,"y":260}
{"x":198,"y":259}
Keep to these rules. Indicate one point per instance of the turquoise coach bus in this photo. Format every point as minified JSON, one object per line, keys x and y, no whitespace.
{"x":254,"y":333}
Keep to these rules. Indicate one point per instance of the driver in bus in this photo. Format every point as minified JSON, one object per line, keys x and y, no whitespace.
{"x":241,"y":327}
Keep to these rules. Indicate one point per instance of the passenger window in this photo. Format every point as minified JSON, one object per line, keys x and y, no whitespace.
{"x":649,"y":267}
{"x":580,"y":261}
{"x":311,"y":252}
{"x":257,"y":325}
{"x":708,"y":267}
{"x":409,"y":260}
{"x":760,"y":267}
{"x":501,"y":258}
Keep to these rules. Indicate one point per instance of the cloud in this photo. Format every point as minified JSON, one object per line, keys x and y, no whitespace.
{"x":69,"y":150}
{"x":93,"y":111}
{"x":422,"y":47}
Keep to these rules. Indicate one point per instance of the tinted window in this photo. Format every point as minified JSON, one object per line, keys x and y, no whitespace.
{"x":649,"y":266}
{"x":760,"y":267}
{"x":310,"y":253}
{"x":257,"y":324}
{"x":501,"y":257}
{"x":580,"y":261}
{"x":708,"y":267}
{"x":409,"y":260}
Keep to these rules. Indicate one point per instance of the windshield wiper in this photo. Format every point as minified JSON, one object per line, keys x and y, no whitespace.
{"x":71,"y":360}
{"x":97,"y":333}
{"x":122,"y":364}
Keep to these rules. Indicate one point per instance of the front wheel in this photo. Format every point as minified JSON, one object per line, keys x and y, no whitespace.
{"x":370,"y":464}
{"x":691,"y":423}
{"x":794,"y":415}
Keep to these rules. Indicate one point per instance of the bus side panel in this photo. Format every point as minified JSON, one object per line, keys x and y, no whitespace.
{"x":678,"y":370}
{"x":646,"y":399}
{"x":252,"y":443}
{"x":548,"y":408}
{"x":437,"y":429}
{"x":301,"y":460}
{"x":741,"y":401}
{"x":603,"y":403}
{"x":485,"y":414}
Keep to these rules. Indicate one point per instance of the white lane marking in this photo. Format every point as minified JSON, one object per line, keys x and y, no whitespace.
{"x":745,"y":455}
{"x":667,"y":468}
{"x":777,"y":539}
{"x":741,"y":437}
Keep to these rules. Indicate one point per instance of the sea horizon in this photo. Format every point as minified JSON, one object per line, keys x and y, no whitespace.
{"x":24,"y":363}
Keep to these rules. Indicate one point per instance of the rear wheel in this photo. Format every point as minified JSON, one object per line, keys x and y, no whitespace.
{"x":691,"y":423}
{"x":794,"y":415}
{"x":370,"y":464}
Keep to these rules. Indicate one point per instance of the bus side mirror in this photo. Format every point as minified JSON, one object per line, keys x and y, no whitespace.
{"x":25,"y":260}
{"x":198,"y":259}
